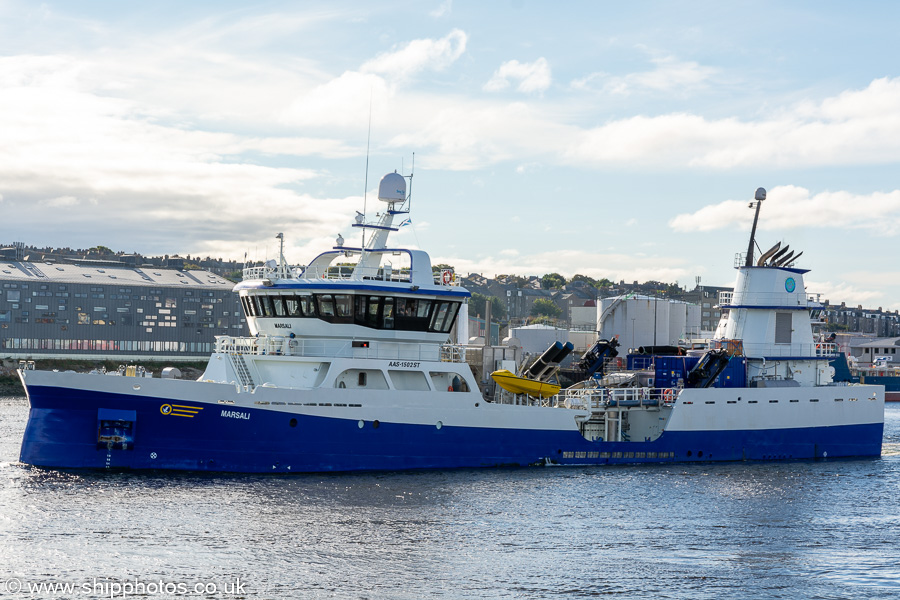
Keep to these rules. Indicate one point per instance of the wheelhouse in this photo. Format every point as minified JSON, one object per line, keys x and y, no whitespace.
{"x":372,"y":310}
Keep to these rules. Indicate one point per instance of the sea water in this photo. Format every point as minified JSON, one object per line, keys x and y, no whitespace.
{"x":816,"y":529}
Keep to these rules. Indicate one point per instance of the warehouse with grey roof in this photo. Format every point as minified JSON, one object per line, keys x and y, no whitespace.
{"x":103,"y":310}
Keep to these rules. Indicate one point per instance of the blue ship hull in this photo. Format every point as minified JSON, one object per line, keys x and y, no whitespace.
{"x":72,"y":429}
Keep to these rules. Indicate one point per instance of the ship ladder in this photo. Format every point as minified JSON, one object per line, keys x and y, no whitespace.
{"x":243,"y":372}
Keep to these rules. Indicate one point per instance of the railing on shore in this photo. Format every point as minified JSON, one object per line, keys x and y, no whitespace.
{"x":286,"y":346}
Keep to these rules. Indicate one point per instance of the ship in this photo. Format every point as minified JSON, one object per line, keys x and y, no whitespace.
{"x":351,"y":365}
{"x":880,"y":372}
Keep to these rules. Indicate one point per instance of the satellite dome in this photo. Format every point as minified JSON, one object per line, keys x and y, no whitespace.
{"x":392,"y":188}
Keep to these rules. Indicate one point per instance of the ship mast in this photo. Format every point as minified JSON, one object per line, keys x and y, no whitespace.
{"x":760,"y":196}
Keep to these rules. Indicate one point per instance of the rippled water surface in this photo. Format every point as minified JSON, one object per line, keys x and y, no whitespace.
{"x":780,"y":530}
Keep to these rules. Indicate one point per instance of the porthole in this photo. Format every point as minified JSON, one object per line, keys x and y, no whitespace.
{"x":689,"y":453}
{"x":376,"y":423}
{"x":700,"y":453}
{"x":136,"y":387}
{"x":293,"y":422}
{"x":438,"y":424}
{"x":361,"y":424}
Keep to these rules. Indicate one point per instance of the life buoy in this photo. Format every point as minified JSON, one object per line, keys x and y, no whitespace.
{"x":446,"y":277}
{"x":668,"y":395}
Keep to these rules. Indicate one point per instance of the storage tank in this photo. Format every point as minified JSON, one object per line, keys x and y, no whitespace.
{"x":646,"y":321}
{"x":677,"y":320}
{"x":537,"y":338}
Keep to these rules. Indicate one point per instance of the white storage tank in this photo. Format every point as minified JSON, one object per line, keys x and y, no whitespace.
{"x":646,"y":321}
{"x":537,"y":338}
{"x":677,"y":321}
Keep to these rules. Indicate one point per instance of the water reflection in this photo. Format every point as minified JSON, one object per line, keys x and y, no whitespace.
{"x":804,"y":529}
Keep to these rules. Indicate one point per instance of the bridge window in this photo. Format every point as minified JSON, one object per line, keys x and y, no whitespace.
{"x":263,"y":306}
{"x":387,"y":314}
{"x":367,"y":308}
{"x":326,"y":306}
{"x":443,"y":317}
{"x":343,"y":305}
{"x":278,"y":305}
{"x":307,"y":306}
{"x":292,"y":306}
{"x":335,"y":308}
{"x":377,"y":312}
{"x":412,"y":314}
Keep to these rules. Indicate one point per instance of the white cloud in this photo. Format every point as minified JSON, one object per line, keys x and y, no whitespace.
{"x":60,"y":201}
{"x":342,"y":102}
{"x":532,"y":77}
{"x":443,"y":9}
{"x":419,"y":55}
{"x":792,"y":207}
{"x":836,"y":131}
{"x":845,"y":292}
{"x":669,"y":75}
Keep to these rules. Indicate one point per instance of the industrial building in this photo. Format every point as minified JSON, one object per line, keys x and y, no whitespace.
{"x":109,"y":311}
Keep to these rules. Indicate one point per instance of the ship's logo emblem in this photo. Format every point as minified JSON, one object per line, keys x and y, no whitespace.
{"x":180,"y":410}
{"x":790,"y":284}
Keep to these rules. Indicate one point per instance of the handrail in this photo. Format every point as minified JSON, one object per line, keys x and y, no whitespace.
{"x":596,"y":399}
{"x":339,"y":273}
{"x":726,"y":298}
{"x":336,"y":348}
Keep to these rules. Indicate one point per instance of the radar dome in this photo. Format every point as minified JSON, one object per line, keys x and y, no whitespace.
{"x":392,"y":188}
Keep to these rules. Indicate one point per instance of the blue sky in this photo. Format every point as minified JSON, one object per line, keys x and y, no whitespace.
{"x":617,"y":140}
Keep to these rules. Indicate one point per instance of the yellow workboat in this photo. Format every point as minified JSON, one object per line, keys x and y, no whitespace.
{"x":522,"y":385}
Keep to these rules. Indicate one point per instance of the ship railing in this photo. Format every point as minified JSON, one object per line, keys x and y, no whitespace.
{"x":286,"y":346}
{"x":440,"y":279}
{"x":765,"y":299}
{"x":827,"y":349}
{"x":453,"y":353}
{"x":331,"y":273}
{"x":602,"y":399}
{"x":820,"y":350}
{"x":272,"y":273}
{"x":343,"y":272}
